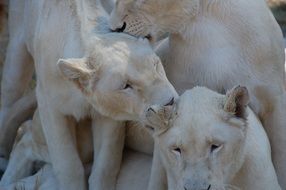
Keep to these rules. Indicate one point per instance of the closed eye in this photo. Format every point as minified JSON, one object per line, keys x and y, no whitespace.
{"x":177,"y":151}
{"x":127,"y":86}
{"x":215,"y":148}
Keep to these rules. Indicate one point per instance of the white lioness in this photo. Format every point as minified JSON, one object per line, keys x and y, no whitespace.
{"x":219,"y":44}
{"x":118,"y":77}
{"x":211,"y":141}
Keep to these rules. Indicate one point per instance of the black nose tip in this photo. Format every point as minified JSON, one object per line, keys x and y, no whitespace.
{"x":171,"y":102}
{"x":119,"y":30}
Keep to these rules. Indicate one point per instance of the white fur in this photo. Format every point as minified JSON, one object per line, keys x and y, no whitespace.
{"x":200,"y":119}
{"x":42,"y":32}
{"x":219,"y":44}
{"x":30,"y":147}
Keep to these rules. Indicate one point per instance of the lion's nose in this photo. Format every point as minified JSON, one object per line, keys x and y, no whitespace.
{"x":170,"y":103}
{"x":119,"y":30}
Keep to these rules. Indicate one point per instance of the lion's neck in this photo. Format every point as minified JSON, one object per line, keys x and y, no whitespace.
{"x":257,"y":171}
{"x":255,"y":174}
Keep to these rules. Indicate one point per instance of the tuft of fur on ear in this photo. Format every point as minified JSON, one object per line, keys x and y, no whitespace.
{"x":77,"y":71}
{"x":159,"y":117}
{"x":237,"y":101}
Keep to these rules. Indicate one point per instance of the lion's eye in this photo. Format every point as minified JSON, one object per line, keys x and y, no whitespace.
{"x":127,"y":86}
{"x":177,"y":151}
{"x":215,"y":147}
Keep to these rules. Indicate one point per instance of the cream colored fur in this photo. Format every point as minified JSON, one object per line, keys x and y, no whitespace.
{"x":108,"y":77}
{"x":21,"y":110}
{"x":31,"y":148}
{"x":219,"y":44}
{"x":212,"y":141}
{"x":185,"y":134}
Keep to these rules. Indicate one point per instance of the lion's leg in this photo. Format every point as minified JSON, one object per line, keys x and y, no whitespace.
{"x":158,"y":178}
{"x":269,"y":104}
{"x":21,"y":161}
{"x":274,"y":123}
{"x":64,"y":157}
{"x":17,"y":74}
{"x":44,"y":179}
{"x":108,"y":138}
{"x":21,"y":111}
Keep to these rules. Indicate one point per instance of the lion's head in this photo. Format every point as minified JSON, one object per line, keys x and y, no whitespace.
{"x":201,"y":138}
{"x":152,"y":18}
{"x":120,"y":76}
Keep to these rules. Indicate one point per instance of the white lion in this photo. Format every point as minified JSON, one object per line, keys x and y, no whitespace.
{"x":116,"y":80}
{"x":218,"y":44}
{"x":212,"y":141}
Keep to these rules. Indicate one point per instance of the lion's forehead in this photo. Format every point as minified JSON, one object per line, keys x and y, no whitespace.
{"x":200,"y":115}
{"x":135,"y":53}
{"x":194,"y":131}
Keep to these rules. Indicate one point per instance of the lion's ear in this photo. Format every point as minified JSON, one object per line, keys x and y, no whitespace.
{"x":237,"y":101}
{"x":158,"y":117}
{"x":77,"y":71}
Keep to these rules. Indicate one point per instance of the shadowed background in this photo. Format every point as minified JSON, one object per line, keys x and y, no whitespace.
{"x":279,"y":9}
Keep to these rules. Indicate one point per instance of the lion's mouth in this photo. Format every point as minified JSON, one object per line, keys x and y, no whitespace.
{"x":121,"y":30}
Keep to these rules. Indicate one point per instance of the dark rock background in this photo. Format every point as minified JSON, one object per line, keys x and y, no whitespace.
{"x":278,"y":8}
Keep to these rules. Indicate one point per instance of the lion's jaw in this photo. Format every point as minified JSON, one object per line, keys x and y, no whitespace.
{"x":120,"y":77}
{"x":203,"y":146}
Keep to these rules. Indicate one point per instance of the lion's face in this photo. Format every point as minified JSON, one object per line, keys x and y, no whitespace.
{"x":202,"y":139}
{"x":121,"y":77}
{"x":151,"y":18}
